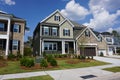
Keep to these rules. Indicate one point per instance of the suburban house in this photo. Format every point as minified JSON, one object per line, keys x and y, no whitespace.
{"x":12,"y":31}
{"x":57,"y":34}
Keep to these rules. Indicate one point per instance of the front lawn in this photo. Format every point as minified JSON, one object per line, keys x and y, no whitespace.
{"x":113,"y":69}
{"x":46,"y":77}
{"x":14,"y":66}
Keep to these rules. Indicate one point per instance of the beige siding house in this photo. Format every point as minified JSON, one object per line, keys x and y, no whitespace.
{"x":57,"y":34}
{"x":11,"y":34}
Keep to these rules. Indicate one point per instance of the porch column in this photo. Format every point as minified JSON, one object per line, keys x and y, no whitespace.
{"x":63,"y":47}
{"x":7,"y":40}
{"x":115,"y":49}
{"x":74,"y":47}
{"x":42,"y":46}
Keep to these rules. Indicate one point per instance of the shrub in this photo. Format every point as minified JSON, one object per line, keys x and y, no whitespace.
{"x":1,"y":57}
{"x":18,"y":55}
{"x":27,"y":62}
{"x":44,"y":54}
{"x":49,"y":58}
{"x":82,"y":57}
{"x":43,"y":63}
{"x":101,"y":54}
{"x":27,"y":52}
{"x":53,"y":62}
{"x":11,"y":56}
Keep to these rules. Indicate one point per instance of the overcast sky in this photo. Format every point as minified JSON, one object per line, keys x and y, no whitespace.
{"x":102,"y":15}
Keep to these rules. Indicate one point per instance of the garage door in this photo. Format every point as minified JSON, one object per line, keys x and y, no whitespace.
{"x":88,"y":51}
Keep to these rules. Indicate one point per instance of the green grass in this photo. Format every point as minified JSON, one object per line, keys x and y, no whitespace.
{"x":46,"y":77}
{"x":14,"y":66}
{"x":113,"y":69}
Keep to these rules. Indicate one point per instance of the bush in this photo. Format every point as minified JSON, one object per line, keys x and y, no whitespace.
{"x":43,"y":63}
{"x":49,"y":58}
{"x":27,"y":62}
{"x":27,"y":52}
{"x":101,"y":54}
{"x":18,"y":55}
{"x":82,"y":57}
{"x":53,"y":62}
{"x":11,"y":56}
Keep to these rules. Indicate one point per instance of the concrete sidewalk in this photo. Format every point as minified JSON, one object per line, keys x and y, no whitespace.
{"x":75,"y":74}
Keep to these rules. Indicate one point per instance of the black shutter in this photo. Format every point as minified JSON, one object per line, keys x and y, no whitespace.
{"x":19,"y":28}
{"x":55,"y":18}
{"x":18,"y":45}
{"x":42,"y":30}
{"x":10,"y":45}
{"x":69,"y":32}
{"x":59,"y":18}
{"x":11,"y":28}
{"x":63,"y":32}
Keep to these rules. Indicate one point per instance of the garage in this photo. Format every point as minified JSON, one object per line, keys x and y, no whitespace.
{"x":88,"y":51}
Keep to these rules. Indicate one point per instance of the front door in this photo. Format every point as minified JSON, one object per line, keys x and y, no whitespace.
{"x":66,"y":48}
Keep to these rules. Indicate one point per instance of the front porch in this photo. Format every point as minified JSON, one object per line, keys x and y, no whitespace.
{"x":58,"y":47}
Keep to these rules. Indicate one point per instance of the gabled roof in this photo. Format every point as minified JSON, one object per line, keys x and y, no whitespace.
{"x":68,"y":22}
{"x":52,"y":15}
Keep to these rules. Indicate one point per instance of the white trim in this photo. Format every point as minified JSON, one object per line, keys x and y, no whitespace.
{"x":89,"y":44}
{"x":3,"y":36}
{"x":57,"y":40}
{"x":51,"y":15}
{"x":68,"y":22}
{"x":63,"y":47}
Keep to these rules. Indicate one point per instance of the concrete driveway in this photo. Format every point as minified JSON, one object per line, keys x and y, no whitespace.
{"x":89,"y":73}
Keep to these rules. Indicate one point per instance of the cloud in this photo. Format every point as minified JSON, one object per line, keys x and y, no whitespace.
{"x":8,"y":2}
{"x":102,"y":18}
{"x":74,"y":11}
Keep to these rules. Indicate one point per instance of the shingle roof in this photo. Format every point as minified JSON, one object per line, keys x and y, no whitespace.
{"x":106,"y":33}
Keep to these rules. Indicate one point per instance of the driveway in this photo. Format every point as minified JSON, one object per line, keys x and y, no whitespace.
{"x":89,"y":73}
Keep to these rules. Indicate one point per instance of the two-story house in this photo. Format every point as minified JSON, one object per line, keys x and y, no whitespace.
{"x":12,"y":31}
{"x":57,"y":34}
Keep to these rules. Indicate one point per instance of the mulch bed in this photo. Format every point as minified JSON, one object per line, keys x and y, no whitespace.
{"x":37,"y":66}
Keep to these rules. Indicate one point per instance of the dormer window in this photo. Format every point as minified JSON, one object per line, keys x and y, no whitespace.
{"x":87,"y":33}
{"x":57,"y":18}
{"x":108,"y":39}
{"x":100,"y":38}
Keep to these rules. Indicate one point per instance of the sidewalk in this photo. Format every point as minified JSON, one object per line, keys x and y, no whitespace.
{"x":75,"y":74}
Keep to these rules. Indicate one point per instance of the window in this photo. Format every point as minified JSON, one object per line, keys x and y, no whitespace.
{"x":66,"y":32}
{"x":16,"y":28}
{"x":46,"y":30}
{"x":108,"y":39}
{"x":57,"y":18}
{"x":2,"y":26}
{"x":50,"y":46}
{"x":15,"y":45}
{"x":87,"y":33}
{"x":54,"y":31}
{"x":100,"y":38}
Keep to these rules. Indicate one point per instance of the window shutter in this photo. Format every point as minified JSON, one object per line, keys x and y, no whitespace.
{"x":42,"y":30}
{"x":55,"y":18}
{"x":11,"y":28}
{"x":59,"y":18}
{"x":69,"y":32}
{"x":19,"y":28}
{"x":63,"y":32}
{"x":10,"y":46}
{"x":19,"y":45}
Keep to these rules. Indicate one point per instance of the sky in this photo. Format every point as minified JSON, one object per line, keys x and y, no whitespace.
{"x":101,"y":15}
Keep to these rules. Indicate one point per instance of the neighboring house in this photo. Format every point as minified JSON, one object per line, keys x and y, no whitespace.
{"x":11,"y":34}
{"x":112,"y":42}
{"x":57,"y":34}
